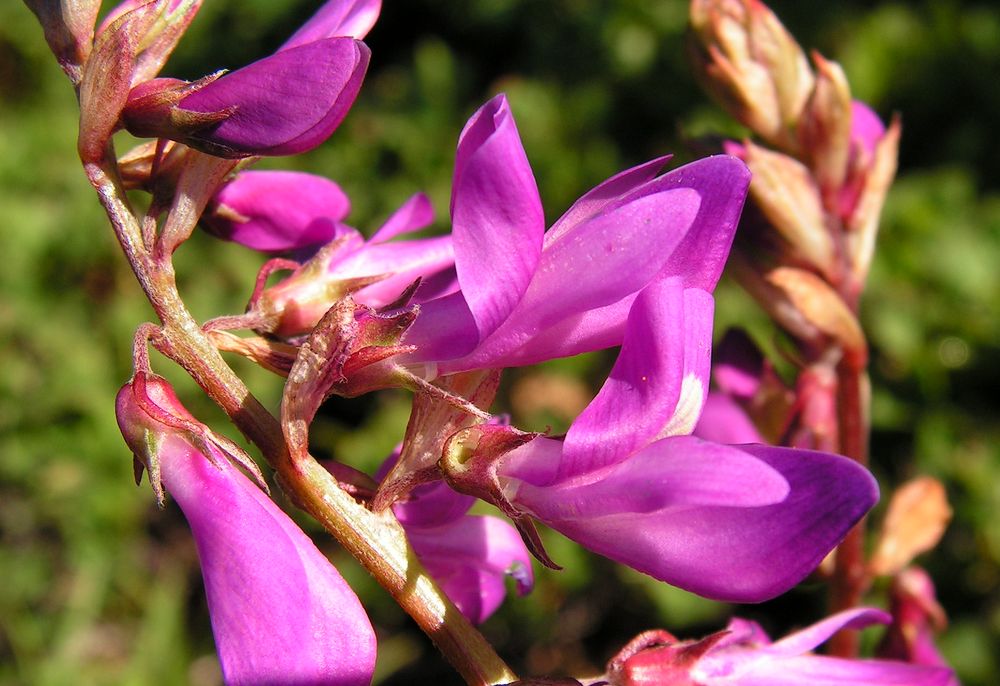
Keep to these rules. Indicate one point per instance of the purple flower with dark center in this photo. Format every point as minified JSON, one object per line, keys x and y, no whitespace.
{"x":732,"y":522}
{"x":527,"y":295}
{"x":283,"y":104}
{"x":281,"y":613}
{"x":743,"y":655}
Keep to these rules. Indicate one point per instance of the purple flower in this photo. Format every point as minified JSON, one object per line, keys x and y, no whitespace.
{"x":743,"y":655}
{"x":283,"y":104}
{"x":738,"y":373}
{"x":526,"y":295}
{"x":740,"y":523}
{"x":376,"y":272}
{"x":724,"y":421}
{"x":280,"y":611}
{"x":277,"y":211}
{"x":469,"y":556}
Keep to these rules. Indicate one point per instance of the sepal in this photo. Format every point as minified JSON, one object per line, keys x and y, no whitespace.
{"x":149,"y":413}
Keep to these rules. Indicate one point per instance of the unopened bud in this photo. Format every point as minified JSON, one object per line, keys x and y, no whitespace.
{"x":864,"y":220}
{"x":916,"y":618}
{"x":161,"y":38}
{"x":754,"y":279}
{"x":914,"y":523}
{"x":69,"y":31}
{"x":825,"y":130}
{"x":821,"y":307}
{"x":107,"y":78}
{"x":786,"y":193}
{"x":752,"y":65}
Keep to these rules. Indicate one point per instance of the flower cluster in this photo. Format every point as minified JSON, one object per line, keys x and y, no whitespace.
{"x":655,"y":473}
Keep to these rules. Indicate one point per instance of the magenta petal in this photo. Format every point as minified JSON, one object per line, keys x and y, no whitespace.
{"x":612,"y":256}
{"x":724,"y":421}
{"x":470,"y":559}
{"x":866,"y":127}
{"x":606,"y":260}
{"x":641,"y":391}
{"x":673,"y":473}
{"x":812,"y":636}
{"x":496,"y":215}
{"x":444,"y":329}
{"x":535,"y":463}
{"x":594,"y":200}
{"x":280,"y":208}
{"x":287,"y":103}
{"x":414,"y":214}
{"x":403,"y":262}
{"x":817,"y":670}
{"x":736,"y":552}
{"x":280,"y":611}
{"x":432,"y":505}
{"x":354,"y":18}
{"x":722,"y":182}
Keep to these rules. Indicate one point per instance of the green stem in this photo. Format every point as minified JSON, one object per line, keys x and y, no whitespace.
{"x":376,"y":541}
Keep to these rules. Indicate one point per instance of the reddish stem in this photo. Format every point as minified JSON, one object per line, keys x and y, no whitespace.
{"x":850,"y":577}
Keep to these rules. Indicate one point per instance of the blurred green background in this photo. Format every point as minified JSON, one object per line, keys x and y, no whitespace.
{"x":97,"y":586}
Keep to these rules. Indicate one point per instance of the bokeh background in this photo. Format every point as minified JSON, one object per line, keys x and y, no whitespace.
{"x":97,"y":586}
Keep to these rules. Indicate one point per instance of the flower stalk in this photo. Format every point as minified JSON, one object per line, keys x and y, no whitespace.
{"x":375,"y":540}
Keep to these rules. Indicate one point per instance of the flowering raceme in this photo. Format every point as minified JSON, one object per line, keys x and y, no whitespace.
{"x":280,"y":611}
{"x":283,"y":104}
{"x":527,"y":295}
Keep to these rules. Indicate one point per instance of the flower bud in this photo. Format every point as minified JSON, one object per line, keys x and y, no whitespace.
{"x":786,"y":194}
{"x":278,"y":211}
{"x":69,"y":30}
{"x":863,"y":222}
{"x":821,"y":307}
{"x":107,"y":78}
{"x":163,"y":35}
{"x":914,"y":523}
{"x":752,"y":66}
{"x":825,"y":129}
